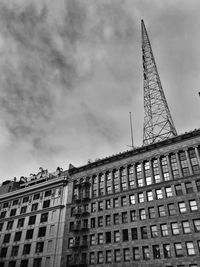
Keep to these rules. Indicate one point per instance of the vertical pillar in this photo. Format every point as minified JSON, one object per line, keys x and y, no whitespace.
{"x":126,"y":174}
{"x":179,"y":164}
{"x":197,"y":154}
{"x":98,"y":182}
{"x":119,"y":180}
{"x":151,"y":171}
{"x":143,"y":175}
{"x":112,"y":181}
{"x":188,"y":161}
{"x":160,"y":168}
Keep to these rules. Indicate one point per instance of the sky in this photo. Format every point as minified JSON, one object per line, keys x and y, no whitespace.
{"x":71,"y":71}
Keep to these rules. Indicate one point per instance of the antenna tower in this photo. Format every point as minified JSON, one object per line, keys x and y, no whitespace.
{"x":158,"y":123}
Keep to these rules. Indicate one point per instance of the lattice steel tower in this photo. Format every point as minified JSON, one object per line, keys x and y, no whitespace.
{"x":158,"y":123}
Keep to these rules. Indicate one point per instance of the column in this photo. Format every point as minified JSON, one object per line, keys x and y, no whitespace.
{"x":126,"y":174}
{"x":188,"y":161}
{"x":197,"y":154}
{"x":160,"y":168}
{"x":179,"y":164}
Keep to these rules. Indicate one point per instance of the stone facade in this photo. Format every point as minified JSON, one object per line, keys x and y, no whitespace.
{"x":32,"y":222}
{"x":137,"y":208}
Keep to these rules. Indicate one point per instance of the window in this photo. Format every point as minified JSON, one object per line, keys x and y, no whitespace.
{"x":47,"y":193}
{"x":100,"y":221}
{"x":193,"y":205}
{"x":100,"y":256}
{"x":92,"y":239}
{"x":171,"y":209}
{"x":164,"y":230}
{"x":15,"y":202}
{"x":71,"y":242}
{"x":100,"y":205}
{"x":152,"y":213}
{"x":196,"y":223}
{"x":123,"y":201}
{"x":142,"y":213}
{"x":140,"y":197}
{"x":108,"y":204}
{"x":139,"y":175}
{"x":146,"y":254}
{"x":186,"y":227}
{"x":92,"y":223}
{"x":178,"y":189}
{"x":132,"y":199}
{"x":24,"y":263}
{"x":159,"y":194}
{"x":190,"y":248}
{"x":184,"y":164}
{"x":32,"y":220}
{"x":126,"y":254}
{"x":49,"y":246}
{"x":144,"y":232}
{"x":193,"y":160}
{"x":149,"y":195}
{"x":100,"y":238}
{"x":189,"y":188}
{"x":123,"y":179}
{"x":13,"y":212}
{"x":174,"y":166}
{"x":42,"y":231}
{"x":3,"y":252}
{"x":92,"y":258}
{"x":44,"y":217}
{"x":3,"y":214}
{"x":117,"y":255}
{"x":178,"y":249}
{"x":182,"y":207}
{"x":116,"y":236}
{"x":36,"y":196}
{"x":5,"y":205}
{"x":27,"y":249}
{"x":25,"y":199}
{"x":161,"y":211}
{"x":133,"y":215}
{"x":108,"y":220}
{"x":34,"y":207}
{"x":20,"y":222}
{"x":115,"y":202}
{"x":46,"y":203}
{"x":9,"y":225}
{"x":108,"y":256}
{"x":23,"y":209}
{"x":134,"y":233}
{"x":39,"y":247}
{"x":124,"y":217}
{"x":6,"y":238}
{"x":136,"y":254}
{"x":15,"y":250}
{"x":156,"y":251}
{"x":131,"y":176}
{"x":93,"y":207}
{"x":154,"y":231}
{"x":125,"y":235}
{"x":147,"y":173}
{"x":108,"y":237}
{"x":164,"y":166}
{"x":116,"y":218}
{"x":12,"y":264}
{"x":175,"y":228}
{"x":167,"y":250}
{"x":37,"y":262}
{"x":17,"y":236}
{"x":1,"y":226}
{"x":168,"y":191}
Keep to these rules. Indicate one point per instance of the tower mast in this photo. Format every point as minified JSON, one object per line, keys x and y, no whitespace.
{"x":158,"y":123}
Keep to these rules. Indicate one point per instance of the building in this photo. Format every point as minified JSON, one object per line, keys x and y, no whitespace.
{"x":32,"y":221}
{"x":137,"y":208}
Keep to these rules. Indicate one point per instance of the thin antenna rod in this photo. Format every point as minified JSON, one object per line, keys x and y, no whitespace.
{"x":131,"y":130}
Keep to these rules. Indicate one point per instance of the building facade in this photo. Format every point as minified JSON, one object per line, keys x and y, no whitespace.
{"x":32,"y":222}
{"x":138,"y":208}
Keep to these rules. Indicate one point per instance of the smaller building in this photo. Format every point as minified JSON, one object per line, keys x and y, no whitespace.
{"x":32,"y":221}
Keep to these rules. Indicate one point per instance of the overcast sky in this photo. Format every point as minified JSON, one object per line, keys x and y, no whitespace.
{"x":71,"y":70}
